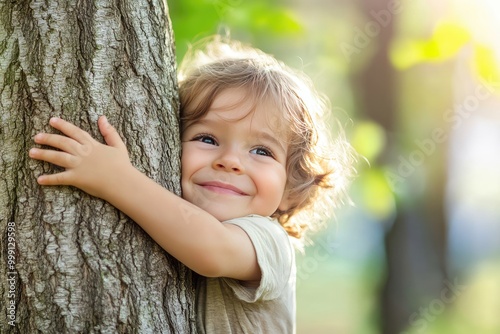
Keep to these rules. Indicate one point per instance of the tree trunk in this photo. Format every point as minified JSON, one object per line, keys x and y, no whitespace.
{"x":415,"y":242}
{"x":69,"y":262}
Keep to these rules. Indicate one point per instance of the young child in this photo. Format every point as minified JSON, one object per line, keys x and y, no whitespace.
{"x":256,"y":160}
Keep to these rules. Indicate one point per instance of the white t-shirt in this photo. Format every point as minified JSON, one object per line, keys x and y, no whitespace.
{"x":224,"y":305}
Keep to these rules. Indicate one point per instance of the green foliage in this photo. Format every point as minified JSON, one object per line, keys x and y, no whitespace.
{"x":261,"y":19}
{"x":485,"y":64}
{"x":447,"y":39}
{"x":192,"y":19}
{"x":247,"y":20}
{"x":373,"y":193}
{"x":371,"y":190}
{"x":368,"y":139}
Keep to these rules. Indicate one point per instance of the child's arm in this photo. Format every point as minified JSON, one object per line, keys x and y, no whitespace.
{"x":187,"y":232}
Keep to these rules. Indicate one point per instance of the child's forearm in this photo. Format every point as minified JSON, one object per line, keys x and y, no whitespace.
{"x":187,"y":232}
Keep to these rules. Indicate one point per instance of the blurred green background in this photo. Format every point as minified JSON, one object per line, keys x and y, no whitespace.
{"x":417,"y":86}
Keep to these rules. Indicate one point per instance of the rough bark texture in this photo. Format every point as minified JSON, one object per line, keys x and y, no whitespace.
{"x":68,"y":262}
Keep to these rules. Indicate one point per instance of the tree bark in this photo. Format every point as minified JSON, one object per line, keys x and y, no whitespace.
{"x":71,"y":263}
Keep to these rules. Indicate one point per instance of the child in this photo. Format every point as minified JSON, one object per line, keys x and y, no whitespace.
{"x":254,"y":162}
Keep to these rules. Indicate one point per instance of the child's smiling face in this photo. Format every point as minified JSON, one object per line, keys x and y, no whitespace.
{"x":233,"y":163}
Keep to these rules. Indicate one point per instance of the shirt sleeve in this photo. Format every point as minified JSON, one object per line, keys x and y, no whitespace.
{"x":275,"y":256}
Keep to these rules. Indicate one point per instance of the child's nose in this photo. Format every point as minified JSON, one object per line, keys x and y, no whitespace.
{"x":229,"y":162}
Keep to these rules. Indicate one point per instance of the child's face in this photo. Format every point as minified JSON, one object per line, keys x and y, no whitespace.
{"x":233,"y":163}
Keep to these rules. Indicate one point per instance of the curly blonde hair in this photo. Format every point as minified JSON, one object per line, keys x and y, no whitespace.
{"x":318,"y":167}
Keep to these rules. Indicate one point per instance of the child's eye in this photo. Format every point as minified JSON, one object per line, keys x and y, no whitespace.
{"x":205,"y":138}
{"x":262,"y":151}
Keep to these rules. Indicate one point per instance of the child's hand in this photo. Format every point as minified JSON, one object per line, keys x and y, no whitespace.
{"x":90,"y":165}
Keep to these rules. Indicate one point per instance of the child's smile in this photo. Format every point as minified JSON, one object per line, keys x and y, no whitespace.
{"x":222,"y":188}
{"x":233,"y":164}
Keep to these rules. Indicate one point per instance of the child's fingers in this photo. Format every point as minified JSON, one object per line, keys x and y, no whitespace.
{"x":70,"y":130}
{"x":110,"y":134}
{"x":58,"y":158}
{"x":59,"y":179}
{"x":60,"y":142}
